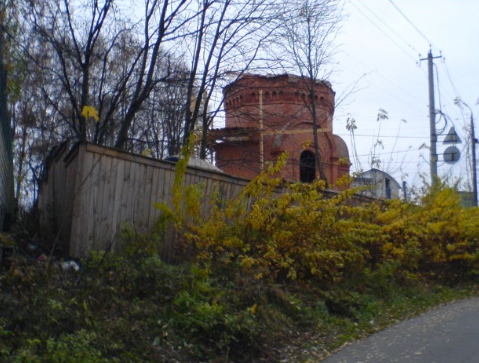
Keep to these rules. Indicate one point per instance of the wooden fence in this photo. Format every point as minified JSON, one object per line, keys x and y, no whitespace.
{"x":90,"y":193}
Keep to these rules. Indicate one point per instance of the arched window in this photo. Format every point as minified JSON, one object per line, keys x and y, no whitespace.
{"x":307,"y":167}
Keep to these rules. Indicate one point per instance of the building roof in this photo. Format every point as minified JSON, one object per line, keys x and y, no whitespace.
{"x":380,"y":172}
{"x":341,"y":146}
{"x":196,"y":163}
{"x":289,"y":78}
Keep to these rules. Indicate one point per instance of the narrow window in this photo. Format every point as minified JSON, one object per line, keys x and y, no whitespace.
{"x":388,"y":189}
{"x":307,"y":167}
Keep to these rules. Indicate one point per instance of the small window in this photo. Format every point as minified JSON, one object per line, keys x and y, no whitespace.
{"x":307,"y":167}
{"x":388,"y":188}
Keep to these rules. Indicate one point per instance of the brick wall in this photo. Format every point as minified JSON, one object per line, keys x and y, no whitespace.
{"x":270,"y":115}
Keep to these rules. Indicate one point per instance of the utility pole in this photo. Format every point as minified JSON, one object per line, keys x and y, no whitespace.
{"x":432,"y":116}
{"x":473,"y":151}
{"x":461,"y":103}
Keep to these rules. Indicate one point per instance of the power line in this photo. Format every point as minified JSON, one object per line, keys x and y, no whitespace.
{"x":410,"y":22}
{"x":456,"y":96}
{"x":399,"y":162}
{"x":388,"y":27}
{"x":391,"y":153}
{"x":399,"y":42}
{"x":385,"y":34}
{"x":449,"y":77}
{"x":388,"y":81}
{"x":388,"y":136}
{"x":456,"y":93}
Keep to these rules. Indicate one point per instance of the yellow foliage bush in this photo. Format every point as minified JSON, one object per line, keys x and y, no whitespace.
{"x":278,"y":231}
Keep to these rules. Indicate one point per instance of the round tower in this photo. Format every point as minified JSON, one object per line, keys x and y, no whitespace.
{"x":270,"y":115}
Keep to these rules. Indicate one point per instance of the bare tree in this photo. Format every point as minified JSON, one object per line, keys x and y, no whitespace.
{"x":306,"y":46}
{"x":21,"y":92}
{"x":64,"y":55}
{"x":158,"y":127}
{"x":228,"y":38}
{"x":151,"y":77}
{"x":102,"y":60}
{"x":6,"y":167}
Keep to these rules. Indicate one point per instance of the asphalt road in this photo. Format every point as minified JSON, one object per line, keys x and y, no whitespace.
{"x":448,"y":334}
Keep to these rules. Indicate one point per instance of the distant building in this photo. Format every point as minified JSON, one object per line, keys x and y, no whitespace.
{"x":467,"y":199}
{"x":379,"y":185}
{"x":6,"y":160}
{"x":270,"y":115}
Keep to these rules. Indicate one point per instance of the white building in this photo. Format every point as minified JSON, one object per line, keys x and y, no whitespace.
{"x":378,"y":184}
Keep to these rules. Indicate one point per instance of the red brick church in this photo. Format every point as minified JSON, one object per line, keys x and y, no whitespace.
{"x":269,"y":115}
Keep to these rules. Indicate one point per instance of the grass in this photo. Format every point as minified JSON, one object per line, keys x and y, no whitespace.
{"x":136,"y":308}
{"x":375,"y":313}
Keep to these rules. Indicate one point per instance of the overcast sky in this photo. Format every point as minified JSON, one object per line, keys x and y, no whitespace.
{"x":382,"y":49}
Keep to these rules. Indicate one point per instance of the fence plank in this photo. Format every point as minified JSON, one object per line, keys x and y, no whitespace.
{"x":91,"y":207}
{"x":106,"y":189}
{"x":125,"y":196}
{"x":157,"y":187}
{"x":117,"y":202}
{"x":110,"y":188}
{"x":148,"y":189}
{"x":79,"y":240}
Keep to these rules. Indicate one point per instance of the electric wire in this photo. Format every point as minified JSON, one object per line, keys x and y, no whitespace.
{"x":449,"y":171}
{"x":465,"y":147}
{"x":437,"y":72}
{"x":387,"y":136}
{"x":391,"y":152}
{"x":443,"y":117}
{"x":352,"y":135}
{"x":456,"y":93}
{"x":449,"y":77}
{"x":388,"y":27}
{"x":440,"y":86}
{"x":411,"y":23}
{"x":446,"y":118}
{"x":410,"y":98}
{"x":385,"y":34}
{"x":441,"y":113}
{"x":400,"y":162}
